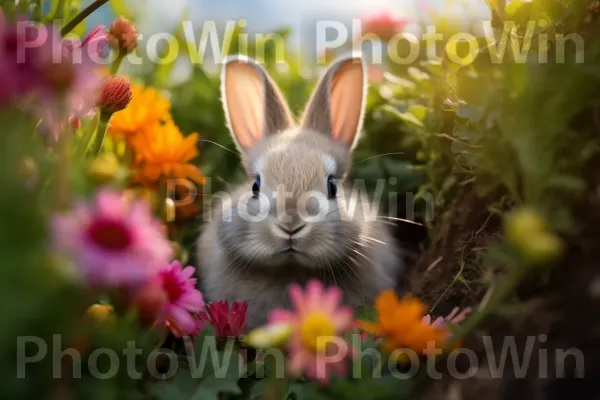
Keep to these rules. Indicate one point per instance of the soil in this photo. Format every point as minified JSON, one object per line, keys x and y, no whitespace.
{"x":554,"y":322}
{"x":445,"y":273}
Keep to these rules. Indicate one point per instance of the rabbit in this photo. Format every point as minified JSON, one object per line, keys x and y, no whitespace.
{"x":292,"y":220}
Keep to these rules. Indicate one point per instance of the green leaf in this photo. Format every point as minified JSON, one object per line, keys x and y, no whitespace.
{"x":519,"y":11}
{"x":404,"y":116}
{"x":496,"y":6}
{"x":258,"y":389}
{"x":419,"y":111}
{"x":467,"y":112}
{"x":181,"y":386}
{"x":120,"y":8}
{"x":433,"y":66}
{"x":366,"y":313}
{"x":212,"y":388}
{"x":417,"y":75}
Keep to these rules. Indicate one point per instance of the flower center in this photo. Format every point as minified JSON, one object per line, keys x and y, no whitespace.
{"x":172,"y":288}
{"x":110,"y":234}
{"x":316,"y":331}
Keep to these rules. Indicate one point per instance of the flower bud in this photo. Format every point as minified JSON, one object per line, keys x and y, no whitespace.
{"x":150,"y":302}
{"x":384,"y":26}
{"x":29,"y":171}
{"x":102,"y":314}
{"x":179,"y":253}
{"x":542,"y":248}
{"x":151,"y":197}
{"x":274,"y":335}
{"x":115,"y":94}
{"x":122,"y":35}
{"x":170,"y":209}
{"x":104,"y":168}
{"x":521,"y":224}
{"x":59,"y":76}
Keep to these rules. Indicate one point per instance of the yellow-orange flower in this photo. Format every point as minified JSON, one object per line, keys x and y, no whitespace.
{"x":147,"y":107}
{"x":162,"y":151}
{"x":400,"y":323}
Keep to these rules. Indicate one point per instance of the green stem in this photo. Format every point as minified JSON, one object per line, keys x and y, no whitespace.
{"x":9,"y":7}
{"x":86,"y":140}
{"x":114,"y":68}
{"x":60,"y":10}
{"x":162,"y":204}
{"x":498,"y":297}
{"x":100,"y":133}
{"x":277,"y":386}
{"x":81,"y":16}
{"x":23,"y":6}
{"x":39,"y":8}
{"x":61,"y":194}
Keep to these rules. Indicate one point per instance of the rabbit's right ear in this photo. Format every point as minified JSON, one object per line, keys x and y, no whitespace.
{"x":337,"y":105}
{"x":254,"y":106}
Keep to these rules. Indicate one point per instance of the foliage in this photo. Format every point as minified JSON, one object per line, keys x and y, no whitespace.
{"x":515,"y":127}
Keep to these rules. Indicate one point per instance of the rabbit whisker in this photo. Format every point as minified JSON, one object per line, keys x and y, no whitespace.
{"x":408,"y":221}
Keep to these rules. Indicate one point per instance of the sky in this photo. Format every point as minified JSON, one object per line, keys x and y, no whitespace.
{"x":265,"y":15}
{"x":301,"y":15}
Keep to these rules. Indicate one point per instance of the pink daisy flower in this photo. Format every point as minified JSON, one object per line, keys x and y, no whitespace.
{"x":318,"y":320}
{"x":112,"y":241}
{"x":228,"y":322}
{"x":383,"y":25}
{"x":455,"y":317}
{"x":62,"y":75}
{"x":20,"y":61}
{"x":184,"y":299}
{"x":83,"y":58}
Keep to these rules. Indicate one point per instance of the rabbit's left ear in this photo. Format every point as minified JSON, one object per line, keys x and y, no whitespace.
{"x":337,"y":105}
{"x":254,"y":106}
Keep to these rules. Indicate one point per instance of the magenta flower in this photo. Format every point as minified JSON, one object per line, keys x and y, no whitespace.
{"x":227,"y":322}
{"x":318,"y":320}
{"x":383,"y":25}
{"x":92,"y":45}
{"x":21,"y":61}
{"x":184,"y":299}
{"x":37,"y":65}
{"x":111,"y":241}
{"x":80,"y":99}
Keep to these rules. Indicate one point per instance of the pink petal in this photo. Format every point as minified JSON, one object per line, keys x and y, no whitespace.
{"x":187,"y":272}
{"x":460,"y":317}
{"x":192,"y":300}
{"x":279,"y":315}
{"x":343,"y":319}
{"x":297,"y":361}
{"x":314,"y":293}
{"x":297,"y":298}
{"x":331,"y":299}
{"x":316,"y":368}
{"x":340,"y":367}
{"x":452,"y":314}
{"x":183,"y":319}
{"x":176,"y":266}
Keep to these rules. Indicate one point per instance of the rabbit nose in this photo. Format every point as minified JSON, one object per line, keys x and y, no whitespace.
{"x":289,"y":231}
{"x":292,"y":231}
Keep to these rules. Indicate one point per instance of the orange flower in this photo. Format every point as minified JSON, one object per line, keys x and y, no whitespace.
{"x":400,"y":323}
{"x":147,"y":107}
{"x":161,"y":151}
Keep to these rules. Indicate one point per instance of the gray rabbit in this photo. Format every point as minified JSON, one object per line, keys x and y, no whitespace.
{"x":295,"y":218}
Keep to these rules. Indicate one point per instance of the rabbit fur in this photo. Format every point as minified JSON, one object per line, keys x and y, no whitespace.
{"x":292,"y":229}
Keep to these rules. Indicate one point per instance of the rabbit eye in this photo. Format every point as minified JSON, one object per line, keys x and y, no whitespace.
{"x":256,"y":187}
{"x":331,"y":187}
